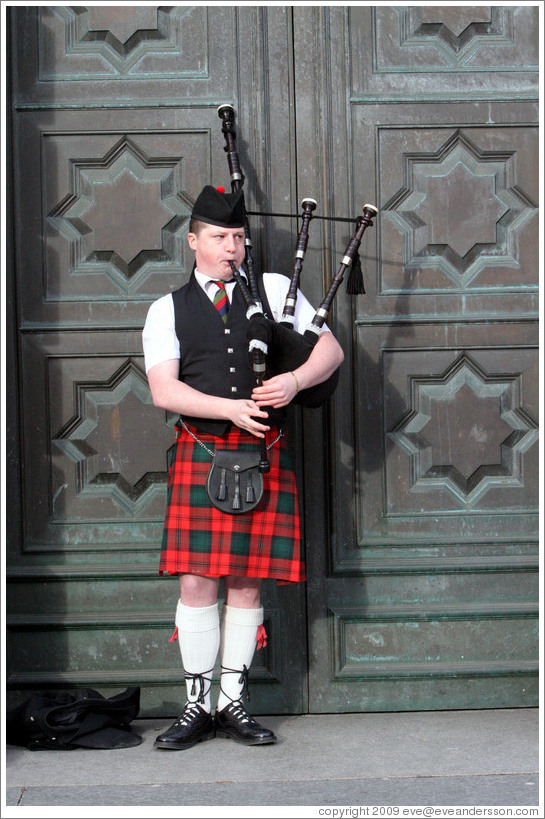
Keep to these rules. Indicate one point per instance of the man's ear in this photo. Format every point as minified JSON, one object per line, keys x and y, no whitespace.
{"x":192,"y":240}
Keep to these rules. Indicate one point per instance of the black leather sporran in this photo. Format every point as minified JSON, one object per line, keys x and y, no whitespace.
{"x":234,"y":483}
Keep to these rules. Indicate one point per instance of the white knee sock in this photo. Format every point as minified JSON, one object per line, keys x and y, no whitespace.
{"x":238,"y":644}
{"x":199,"y":639}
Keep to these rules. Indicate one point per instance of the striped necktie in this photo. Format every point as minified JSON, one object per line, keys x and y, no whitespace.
{"x":221,"y":302}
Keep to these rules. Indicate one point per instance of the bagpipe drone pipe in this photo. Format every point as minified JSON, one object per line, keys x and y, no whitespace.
{"x":276,"y":347}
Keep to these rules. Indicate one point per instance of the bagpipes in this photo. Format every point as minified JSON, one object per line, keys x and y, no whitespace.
{"x":275,"y":347}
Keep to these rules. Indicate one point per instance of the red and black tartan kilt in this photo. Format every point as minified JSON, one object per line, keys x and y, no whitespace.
{"x":199,"y":539}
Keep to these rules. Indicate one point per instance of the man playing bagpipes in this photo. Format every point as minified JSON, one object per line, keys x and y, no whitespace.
{"x":224,"y":518}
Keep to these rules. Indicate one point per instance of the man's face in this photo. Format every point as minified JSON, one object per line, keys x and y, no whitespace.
{"x":215,"y":247}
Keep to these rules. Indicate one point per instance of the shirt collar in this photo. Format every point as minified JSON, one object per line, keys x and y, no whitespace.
{"x":205,"y":281}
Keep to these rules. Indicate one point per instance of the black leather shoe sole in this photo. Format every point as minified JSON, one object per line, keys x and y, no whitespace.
{"x":220,"y":732}
{"x":177,"y":745}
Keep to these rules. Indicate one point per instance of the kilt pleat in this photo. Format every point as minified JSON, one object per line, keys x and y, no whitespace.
{"x":200,"y":539}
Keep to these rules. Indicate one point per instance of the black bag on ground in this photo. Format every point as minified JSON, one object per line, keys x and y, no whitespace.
{"x":62,"y":720}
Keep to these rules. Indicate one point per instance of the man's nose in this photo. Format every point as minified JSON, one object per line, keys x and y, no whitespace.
{"x":230,"y":244}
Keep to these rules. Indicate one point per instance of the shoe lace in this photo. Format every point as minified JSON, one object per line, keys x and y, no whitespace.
{"x":243,"y":681}
{"x":202,"y":679}
{"x":237,"y":709}
{"x":189,"y":714}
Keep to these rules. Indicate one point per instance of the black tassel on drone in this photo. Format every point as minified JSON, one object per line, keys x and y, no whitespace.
{"x":354,"y":284}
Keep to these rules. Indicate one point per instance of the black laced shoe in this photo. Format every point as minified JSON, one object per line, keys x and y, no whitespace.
{"x":193,"y":725}
{"x":234,"y":721}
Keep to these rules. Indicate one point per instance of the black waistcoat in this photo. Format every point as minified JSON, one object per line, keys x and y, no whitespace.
{"x":214,"y":354}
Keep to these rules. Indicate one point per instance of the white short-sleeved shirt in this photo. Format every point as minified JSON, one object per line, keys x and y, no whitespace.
{"x":159,"y":337}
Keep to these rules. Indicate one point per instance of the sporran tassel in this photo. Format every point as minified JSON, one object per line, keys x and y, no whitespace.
{"x":250,"y":491}
{"x":236,"y":499}
{"x":222,"y":488}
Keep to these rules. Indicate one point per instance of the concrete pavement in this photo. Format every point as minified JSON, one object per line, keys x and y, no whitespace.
{"x":439,"y":758}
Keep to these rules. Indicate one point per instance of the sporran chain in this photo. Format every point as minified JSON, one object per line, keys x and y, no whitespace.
{"x":201,"y":443}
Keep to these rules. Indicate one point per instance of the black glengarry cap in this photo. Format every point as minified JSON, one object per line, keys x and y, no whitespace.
{"x":215,"y":207}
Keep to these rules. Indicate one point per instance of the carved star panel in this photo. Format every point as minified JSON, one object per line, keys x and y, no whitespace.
{"x":95,"y":448}
{"x":116,"y":441}
{"x":406,"y":54}
{"x":125,"y":216}
{"x":456,"y":32}
{"x":444,"y":461}
{"x":447,"y":37}
{"x":458,"y":212}
{"x":458,"y":216}
{"x":118,"y":212}
{"x":466,"y":431}
{"x":89,"y":42}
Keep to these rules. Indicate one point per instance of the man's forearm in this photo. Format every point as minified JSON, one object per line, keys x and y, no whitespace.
{"x":175,"y":396}
{"x":324,"y":359}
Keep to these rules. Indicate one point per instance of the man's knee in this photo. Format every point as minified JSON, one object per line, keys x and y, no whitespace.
{"x":242,"y":592}
{"x":198,"y":591}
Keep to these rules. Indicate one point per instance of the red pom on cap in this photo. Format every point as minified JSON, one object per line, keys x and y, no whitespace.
{"x":220,"y":189}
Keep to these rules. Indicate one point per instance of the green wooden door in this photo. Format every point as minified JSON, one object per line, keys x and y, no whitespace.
{"x":423,"y":591}
{"x":420,"y":480}
{"x":114,"y":131}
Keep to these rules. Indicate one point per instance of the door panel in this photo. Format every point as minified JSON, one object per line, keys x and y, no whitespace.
{"x":424,"y":573}
{"x":448,"y":52}
{"x":115,"y":130}
{"x":126,"y":57}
